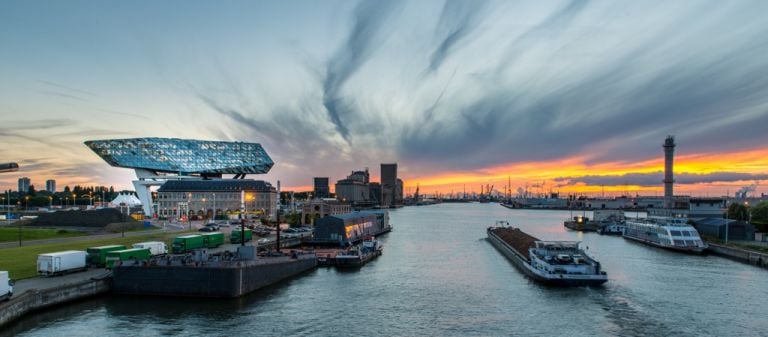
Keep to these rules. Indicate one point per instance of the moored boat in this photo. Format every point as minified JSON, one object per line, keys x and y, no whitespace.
{"x":558,"y":263}
{"x":669,"y":233}
{"x":359,"y":255}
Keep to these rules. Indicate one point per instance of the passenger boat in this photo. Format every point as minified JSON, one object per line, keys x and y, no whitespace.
{"x":557,"y":263}
{"x":669,"y":233}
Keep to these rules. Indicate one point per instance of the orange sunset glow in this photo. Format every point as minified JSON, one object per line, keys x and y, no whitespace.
{"x":534,"y":173}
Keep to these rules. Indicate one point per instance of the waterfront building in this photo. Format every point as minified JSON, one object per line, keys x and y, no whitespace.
{"x":399,"y":192}
{"x":322,"y":189}
{"x":158,"y":160}
{"x":706,"y":207}
{"x":24,"y":184}
{"x":716,"y":227}
{"x":355,"y":188}
{"x":224,"y":198}
{"x":353,"y":191}
{"x":50,"y":185}
{"x":351,"y":227}
{"x":389,"y":184}
{"x":319,"y":208}
{"x":375,"y":193}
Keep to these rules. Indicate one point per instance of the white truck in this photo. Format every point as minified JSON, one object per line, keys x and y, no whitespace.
{"x":6,"y":286}
{"x":155,"y":247}
{"x":61,"y":262}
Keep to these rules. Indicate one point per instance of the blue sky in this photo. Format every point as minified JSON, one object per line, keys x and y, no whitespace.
{"x":332,"y":86}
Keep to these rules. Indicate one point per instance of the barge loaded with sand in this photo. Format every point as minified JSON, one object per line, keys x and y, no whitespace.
{"x":557,"y":263}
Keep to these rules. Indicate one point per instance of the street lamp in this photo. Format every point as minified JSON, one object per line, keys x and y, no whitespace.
{"x":26,"y":206}
{"x":50,"y":202}
{"x":74,"y":200}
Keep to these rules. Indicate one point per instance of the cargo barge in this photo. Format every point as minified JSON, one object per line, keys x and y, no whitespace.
{"x":219,"y":276}
{"x":556,"y":263}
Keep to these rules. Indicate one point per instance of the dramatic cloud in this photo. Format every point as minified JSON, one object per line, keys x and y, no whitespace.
{"x":445,"y":88}
{"x":458,"y":19}
{"x":655,"y":178}
{"x":369,"y":17}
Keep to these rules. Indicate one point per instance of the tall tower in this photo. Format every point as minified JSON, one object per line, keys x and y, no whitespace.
{"x":669,"y":156}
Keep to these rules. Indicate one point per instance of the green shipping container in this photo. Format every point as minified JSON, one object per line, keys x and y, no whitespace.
{"x":235,"y":236}
{"x":138,"y":254}
{"x":213,"y":240}
{"x":183,"y":244}
{"x":97,"y":256}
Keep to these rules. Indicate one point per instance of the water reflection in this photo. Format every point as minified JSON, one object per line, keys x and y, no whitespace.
{"x":439,"y":277}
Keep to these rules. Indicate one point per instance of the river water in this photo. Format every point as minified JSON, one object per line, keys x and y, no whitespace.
{"x":439,"y":277}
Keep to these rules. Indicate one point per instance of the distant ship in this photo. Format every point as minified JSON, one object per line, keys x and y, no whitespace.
{"x":558,"y":263}
{"x":670,"y":233}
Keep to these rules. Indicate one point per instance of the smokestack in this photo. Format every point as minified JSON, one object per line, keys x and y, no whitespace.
{"x":669,"y":156}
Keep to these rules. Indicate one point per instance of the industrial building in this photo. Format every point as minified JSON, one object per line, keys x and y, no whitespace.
{"x":716,"y":227}
{"x":321,"y":187}
{"x":389,"y":185}
{"x":160,"y":160}
{"x":355,"y":188}
{"x":222,"y":198}
{"x":351,"y":227}
{"x":318,"y":208}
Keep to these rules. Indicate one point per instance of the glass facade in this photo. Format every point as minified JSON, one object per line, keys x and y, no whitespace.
{"x":183,"y":156}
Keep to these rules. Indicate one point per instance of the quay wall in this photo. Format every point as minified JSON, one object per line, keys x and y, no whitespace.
{"x":742,"y":255}
{"x":32,"y":300}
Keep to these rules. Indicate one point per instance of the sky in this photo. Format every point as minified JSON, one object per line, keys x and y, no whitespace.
{"x":569,"y":96}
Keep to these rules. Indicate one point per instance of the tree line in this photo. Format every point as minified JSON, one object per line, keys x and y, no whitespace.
{"x":71,"y":196}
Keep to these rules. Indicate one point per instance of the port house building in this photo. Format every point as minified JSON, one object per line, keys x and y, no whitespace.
{"x":157,"y":160}
{"x":226,"y":198}
{"x":350,"y":227}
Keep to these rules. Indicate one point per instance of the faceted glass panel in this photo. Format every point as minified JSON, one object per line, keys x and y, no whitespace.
{"x":183,"y":156}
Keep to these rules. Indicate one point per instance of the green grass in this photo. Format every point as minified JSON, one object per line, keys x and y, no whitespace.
{"x":21,"y":262}
{"x":8,"y":234}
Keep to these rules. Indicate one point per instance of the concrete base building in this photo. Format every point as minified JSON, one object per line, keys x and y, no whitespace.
{"x":223,"y":198}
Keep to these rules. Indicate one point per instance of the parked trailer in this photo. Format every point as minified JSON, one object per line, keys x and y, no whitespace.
{"x":214,"y":239}
{"x":133,"y":254}
{"x":97,"y":255}
{"x":155,"y":247}
{"x":235,"y":236}
{"x":186,"y":243}
{"x":6,"y":286}
{"x":61,"y":262}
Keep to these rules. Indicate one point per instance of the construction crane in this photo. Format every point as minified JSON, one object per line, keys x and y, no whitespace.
{"x":9,"y":167}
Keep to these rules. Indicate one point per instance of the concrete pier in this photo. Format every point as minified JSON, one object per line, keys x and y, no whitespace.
{"x":75,"y":288}
{"x":742,"y":255}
